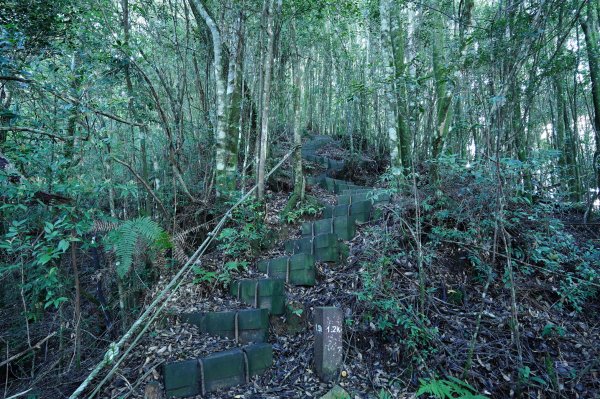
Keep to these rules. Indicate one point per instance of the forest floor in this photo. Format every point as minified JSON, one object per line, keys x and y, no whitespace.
{"x":559,"y":347}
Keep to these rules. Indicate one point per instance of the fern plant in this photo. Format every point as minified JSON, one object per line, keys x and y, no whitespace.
{"x":310,"y":206}
{"x":123,"y":240}
{"x":451,"y":388}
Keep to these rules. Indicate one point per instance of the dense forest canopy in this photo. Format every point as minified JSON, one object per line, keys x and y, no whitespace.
{"x":129,"y":127}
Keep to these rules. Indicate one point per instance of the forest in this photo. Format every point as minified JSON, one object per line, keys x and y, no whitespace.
{"x":190,"y":190}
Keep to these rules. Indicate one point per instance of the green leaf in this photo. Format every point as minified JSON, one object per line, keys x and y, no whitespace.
{"x":44,"y":258}
{"x":63,"y":245}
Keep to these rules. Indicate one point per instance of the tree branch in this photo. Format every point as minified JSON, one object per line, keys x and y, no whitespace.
{"x":69,"y":99}
{"x":32,"y":130}
{"x":36,"y":346}
{"x":144,"y":182}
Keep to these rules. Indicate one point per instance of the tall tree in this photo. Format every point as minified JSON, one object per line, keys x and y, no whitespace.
{"x":589,"y":25}
{"x":224,"y":173}
{"x":266,"y":97}
{"x":389,"y":105}
{"x":441,"y":76}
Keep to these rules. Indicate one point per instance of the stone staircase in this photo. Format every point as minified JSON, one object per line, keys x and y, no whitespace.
{"x":322,"y":241}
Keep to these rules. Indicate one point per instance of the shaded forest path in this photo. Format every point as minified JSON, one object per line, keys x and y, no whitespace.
{"x":322,"y":242}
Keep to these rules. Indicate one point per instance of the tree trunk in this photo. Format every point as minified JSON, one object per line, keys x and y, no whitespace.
{"x":131,"y":105}
{"x":389,"y":104}
{"x":404,"y":136}
{"x":224,"y":174}
{"x":266,"y":98}
{"x":234,"y":95}
{"x":590,"y":33}
{"x":443,"y":93}
{"x":297,"y":88}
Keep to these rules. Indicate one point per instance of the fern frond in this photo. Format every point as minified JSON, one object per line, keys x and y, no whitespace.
{"x":103,"y":226}
{"x":124,"y":248}
{"x":453,"y":388}
{"x":125,"y":238}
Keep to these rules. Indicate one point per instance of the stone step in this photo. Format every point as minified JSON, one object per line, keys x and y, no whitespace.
{"x":220,"y":370}
{"x":342,"y":226}
{"x":330,"y":184}
{"x":361,"y":190}
{"x":245,"y":326}
{"x":336,"y":186}
{"x":263,"y":293}
{"x":330,"y":164}
{"x":296,"y":269}
{"x":324,"y":247}
{"x":317,"y":142}
{"x":373,"y":196}
{"x":360,"y":210}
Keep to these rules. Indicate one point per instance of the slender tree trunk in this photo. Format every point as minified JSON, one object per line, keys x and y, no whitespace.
{"x":404,"y":136}
{"x":224,"y":175}
{"x":234,"y":95}
{"x":443,"y":93}
{"x":297,"y":90}
{"x":131,"y":104}
{"x":76,"y":307}
{"x":5,"y":102}
{"x":266,"y":98}
{"x":74,"y":114}
{"x":590,"y":32}
{"x":389,"y":104}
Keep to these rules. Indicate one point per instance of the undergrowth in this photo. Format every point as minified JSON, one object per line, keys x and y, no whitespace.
{"x":454,"y":241}
{"x":310,"y":206}
{"x":245,"y":236}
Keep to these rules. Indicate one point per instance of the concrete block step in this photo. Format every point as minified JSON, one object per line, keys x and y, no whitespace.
{"x":360,"y":210}
{"x":373,"y":196}
{"x":245,"y":326}
{"x":262,"y":293}
{"x":324,"y":247}
{"x":298,"y":269}
{"x":342,"y":226}
{"x":220,"y":370}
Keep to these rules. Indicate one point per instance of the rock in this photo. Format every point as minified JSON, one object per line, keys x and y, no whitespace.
{"x":153,"y":391}
{"x":328,"y":341}
{"x":337,"y":392}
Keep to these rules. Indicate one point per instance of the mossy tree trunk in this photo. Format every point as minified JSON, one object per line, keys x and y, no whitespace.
{"x":298,"y":94}
{"x":224,"y":175}
{"x":389,"y":103}
{"x":266,"y":99}
{"x":589,"y":25}
{"x":398,"y":46}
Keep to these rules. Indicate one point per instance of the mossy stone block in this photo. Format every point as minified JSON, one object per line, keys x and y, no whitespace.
{"x":182,"y":378}
{"x":252,"y":324}
{"x":267,"y":293}
{"x":360,"y":210}
{"x":298,"y":269}
{"x":223,"y":370}
{"x":344,"y":227}
{"x":260,"y":358}
{"x":373,"y":196}
{"x":324,"y":247}
{"x":337,"y":392}
{"x":253,"y":319}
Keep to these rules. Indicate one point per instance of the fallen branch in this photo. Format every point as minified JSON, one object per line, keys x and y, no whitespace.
{"x":20,"y":394}
{"x":24,"y":352}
